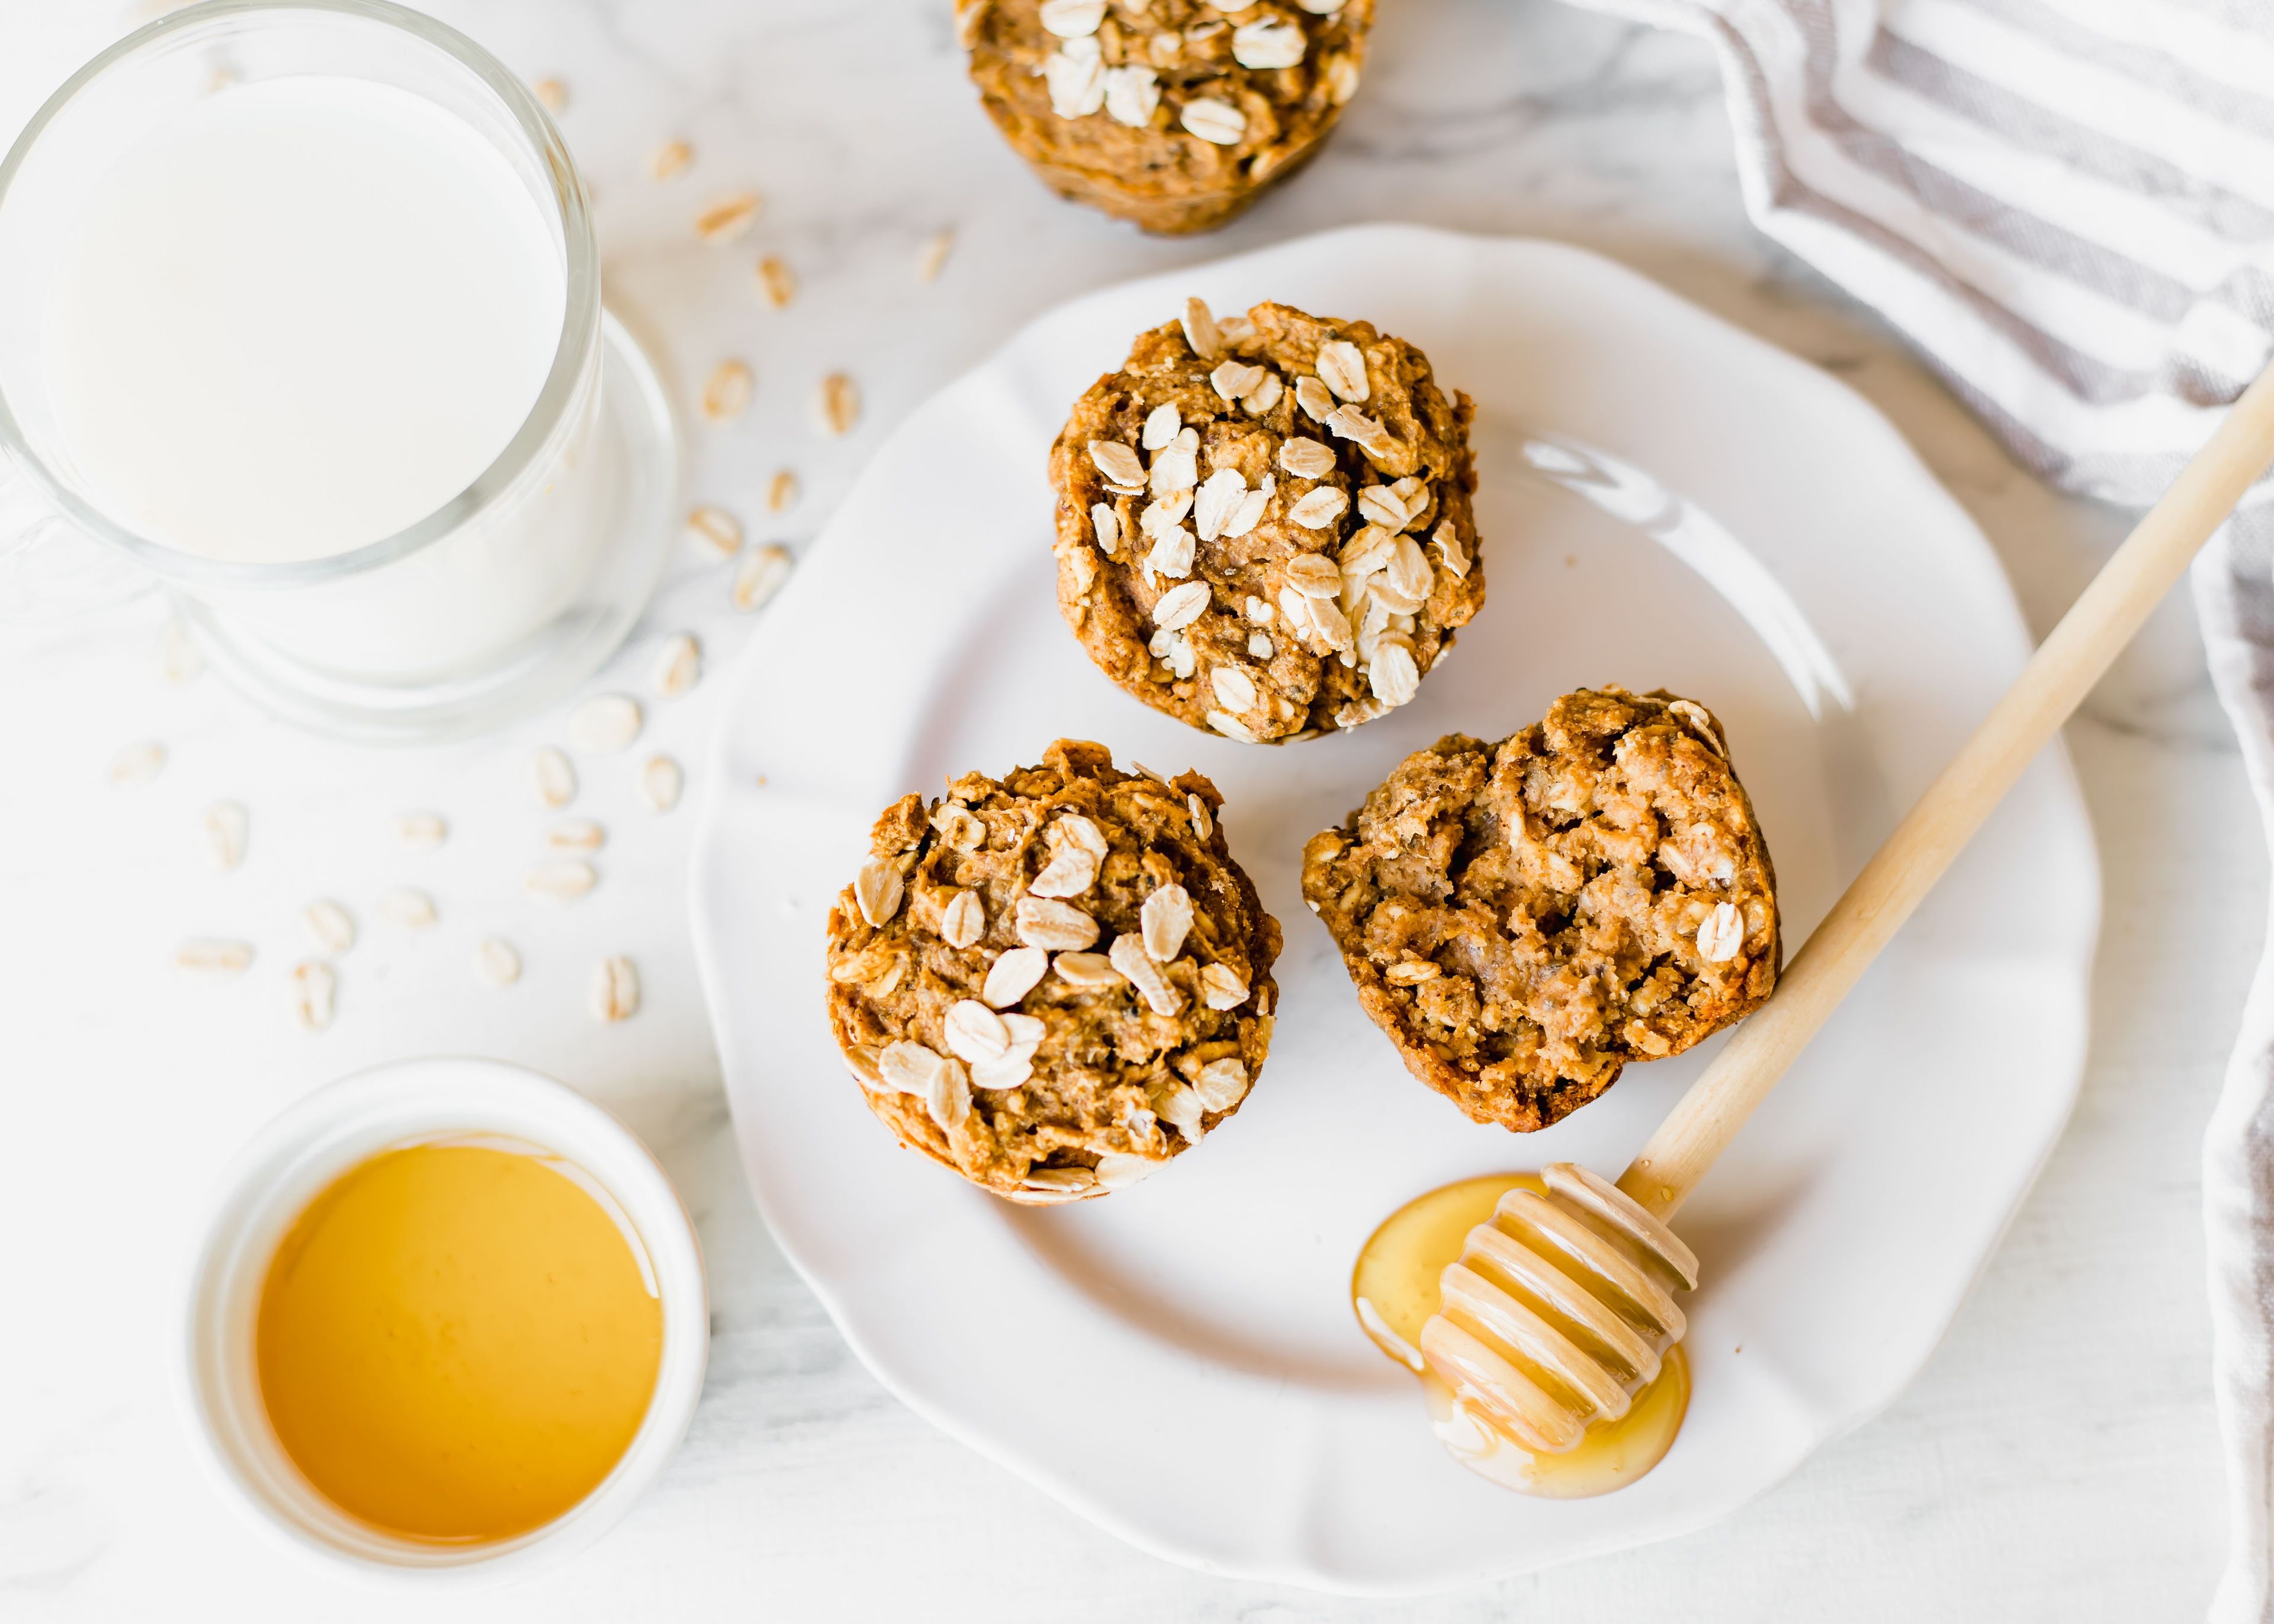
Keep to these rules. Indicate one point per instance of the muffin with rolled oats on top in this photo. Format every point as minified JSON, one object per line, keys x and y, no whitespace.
{"x":1264,"y":523}
{"x":1171,"y":114}
{"x":1055,"y":983}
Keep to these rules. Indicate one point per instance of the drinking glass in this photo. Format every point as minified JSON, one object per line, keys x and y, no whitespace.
{"x":493,"y":603}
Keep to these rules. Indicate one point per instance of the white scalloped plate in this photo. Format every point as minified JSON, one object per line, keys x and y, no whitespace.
{"x":1665,"y":502}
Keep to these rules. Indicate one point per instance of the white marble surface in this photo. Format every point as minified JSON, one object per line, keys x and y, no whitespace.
{"x":2056,"y":1459}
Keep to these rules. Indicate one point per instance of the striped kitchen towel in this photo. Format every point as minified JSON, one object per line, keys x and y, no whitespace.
{"x":2068,"y":206}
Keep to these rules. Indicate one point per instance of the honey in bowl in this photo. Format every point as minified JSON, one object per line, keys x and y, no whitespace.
{"x":457,"y":1342}
{"x":1394,"y":1291}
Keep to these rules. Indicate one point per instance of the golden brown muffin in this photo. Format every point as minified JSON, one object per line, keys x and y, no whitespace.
{"x":1054,"y":983}
{"x":1522,"y":919}
{"x":1264,"y":524}
{"x":1171,"y":114}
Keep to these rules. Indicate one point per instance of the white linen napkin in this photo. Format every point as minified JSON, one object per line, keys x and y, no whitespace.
{"x":2068,"y":206}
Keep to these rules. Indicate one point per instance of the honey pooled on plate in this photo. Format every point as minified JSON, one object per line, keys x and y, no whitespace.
{"x":457,"y":1341}
{"x":1395,"y":1291}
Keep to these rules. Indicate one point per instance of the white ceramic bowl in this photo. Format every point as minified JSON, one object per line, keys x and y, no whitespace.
{"x":287,"y":1163}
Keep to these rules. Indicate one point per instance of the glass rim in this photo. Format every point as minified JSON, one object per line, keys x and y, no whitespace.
{"x":580,"y":312}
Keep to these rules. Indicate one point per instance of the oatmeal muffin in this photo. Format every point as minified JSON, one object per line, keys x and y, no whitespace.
{"x":1264,"y":524}
{"x":1522,"y":919}
{"x":1054,"y":983}
{"x":1171,"y":114}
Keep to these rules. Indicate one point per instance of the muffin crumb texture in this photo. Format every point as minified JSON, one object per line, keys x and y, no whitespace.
{"x":1170,"y":114}
{"x":1056,"y":982}
{"x":1264,"y":524}
{"x":1522,"y":919}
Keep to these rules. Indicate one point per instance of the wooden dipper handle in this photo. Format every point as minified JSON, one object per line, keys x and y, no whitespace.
{"x":2051,"y":686}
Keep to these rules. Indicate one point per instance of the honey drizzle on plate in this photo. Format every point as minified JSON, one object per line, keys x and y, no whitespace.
{"x":1394,"y":1291}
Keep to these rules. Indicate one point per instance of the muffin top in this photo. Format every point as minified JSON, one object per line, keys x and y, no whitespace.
{"x":1264,"y":524}
{"x":1522,"y":919}
{"x":1173,"y":99}
{"x":1055,"y":982}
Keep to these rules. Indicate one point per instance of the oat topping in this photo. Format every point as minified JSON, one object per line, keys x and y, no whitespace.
{"x":1271,"y":43}
{"x":1072,"y":18}
{"x":1214,"y":121}
{"x":877,"y":889}
{"x":1200,"y":329}
{"x":1132,"y":94}
{"x":964,"y":919}
{"x":1043,"y":1049}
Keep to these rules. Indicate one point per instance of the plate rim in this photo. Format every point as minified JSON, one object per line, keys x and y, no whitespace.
{"x":2074,"y":964}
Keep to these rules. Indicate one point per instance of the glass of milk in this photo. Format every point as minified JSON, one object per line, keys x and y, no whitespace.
{"x":300,"y":313}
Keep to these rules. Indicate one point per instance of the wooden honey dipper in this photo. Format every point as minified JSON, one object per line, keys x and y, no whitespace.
{"x":1577,"y":1280}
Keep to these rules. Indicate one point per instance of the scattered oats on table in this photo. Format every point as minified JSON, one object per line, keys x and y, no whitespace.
{"x":727,"y":393}
{"x":777,"y":281}
{"x":782,"y":491}
{"x":554,"y":776}
{"x":421,"y":831}
{"x":716,"y":531}
{"x":562,"y":879}
{"x":678,"y":666}
{"x":759,"y":577}
{"x":412,"y":909}
{"x":669,"y":159}
{"x":315,"y":993}
{"x":931,"y":256}
{"x":497,"y":962}
{"x":1053,"y":983}
{"x":836,"y":404}
{"x":575,"y":834}
{"x":615,"y":989}
{"x":331,"y":925}
{"x":605,"y":722}
{"x":661,"y":782}
{"x":180,"y":661}
{"x":225,"y":828}
{"x":137,"y":764}
{"x":728,"y":218}
{"x":212,"y":957}
{"x":1523,"y":919}
{"x":1264,"y":524}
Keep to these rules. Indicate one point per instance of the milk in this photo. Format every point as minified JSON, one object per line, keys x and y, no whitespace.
{"x":299,"y":316}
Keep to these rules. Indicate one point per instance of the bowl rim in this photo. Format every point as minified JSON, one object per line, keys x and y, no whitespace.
{"x":268,"y":1182}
